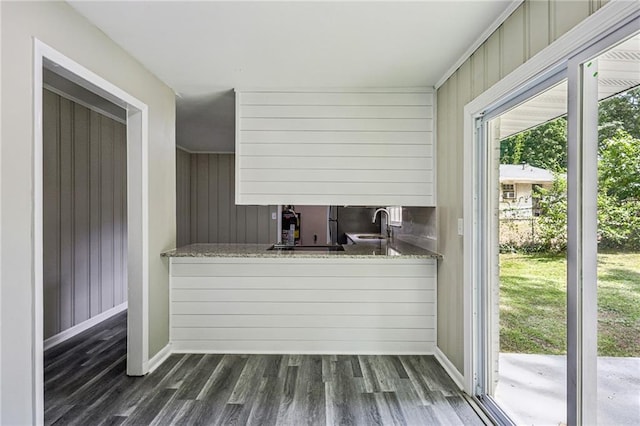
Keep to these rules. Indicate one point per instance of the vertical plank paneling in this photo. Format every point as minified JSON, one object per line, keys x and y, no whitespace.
{"x":241,"y":221}
{"x":477,"y":73}
{"x":66,"y":215}
{"x":193,"y":211}
{"x":231,"y":200}
{"x":223,"y":197}
{"x":85,"y":212}
{"x":538,"y":27}
{"x":183,"y":197}
{"x":263,"y":224}
{"x":81,"y":231}
{"x":51,"y":213}
{"x":106,"y":229}
{"x":251,"y":224}
{"x":566,"y":14}
{"x":212,"y":197}
{"x":492,"y":60}
{"x":123,"y":212}
{"x":212,"y":204}
{"x":117,"y":214}
{"x":513,"y":41}
{"x":203,"y":196}
{"x":95,"y":215}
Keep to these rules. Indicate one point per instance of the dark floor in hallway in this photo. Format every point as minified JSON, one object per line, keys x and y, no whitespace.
{"x":86,"y":384}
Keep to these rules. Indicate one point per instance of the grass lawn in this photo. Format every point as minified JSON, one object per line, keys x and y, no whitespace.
{"x":533,"y":304}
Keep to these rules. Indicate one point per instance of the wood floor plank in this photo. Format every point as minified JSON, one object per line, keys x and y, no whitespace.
{"x":345,"y":406}
{"x":195,"y":382}
{"x":147,"y":411}
{"x":264,"y":411}
{"x":247,"y":383}
{"x":86,"y":384}
{"x":369,"y":374}
{"x":286,"y":412}
{"x":217,"y":391}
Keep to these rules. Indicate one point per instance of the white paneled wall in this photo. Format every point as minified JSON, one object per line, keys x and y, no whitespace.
{"x":356,"y":148}
{"x":303,"y":305}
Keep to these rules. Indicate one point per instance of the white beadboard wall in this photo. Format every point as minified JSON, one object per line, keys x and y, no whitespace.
{"x":335,"y":148}
{"x":303,"y":305}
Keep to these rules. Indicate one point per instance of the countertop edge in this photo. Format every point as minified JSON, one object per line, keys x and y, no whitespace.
{"x":260,"y":251}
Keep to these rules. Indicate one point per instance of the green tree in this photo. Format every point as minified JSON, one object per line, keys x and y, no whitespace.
{"x":618,"y":112}
{"x":553,"y":220}
{"x":619,"y":166}
{"x":544,"y":146}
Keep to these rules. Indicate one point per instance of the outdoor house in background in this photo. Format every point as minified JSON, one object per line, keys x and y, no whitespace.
{"x":517,"y":183}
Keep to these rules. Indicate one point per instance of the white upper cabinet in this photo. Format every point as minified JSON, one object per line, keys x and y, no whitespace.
{"x":335,"y":148}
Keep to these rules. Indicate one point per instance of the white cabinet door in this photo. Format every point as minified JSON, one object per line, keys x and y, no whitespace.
{"x":335,"y":148}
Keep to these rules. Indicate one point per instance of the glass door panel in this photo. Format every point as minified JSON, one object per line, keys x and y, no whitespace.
{"x":526,"y":344}
{"x":618,"y":202}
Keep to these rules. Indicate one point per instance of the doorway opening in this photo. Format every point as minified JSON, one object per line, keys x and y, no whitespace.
{"x":84,"y":235}
{"x":132,"y":204}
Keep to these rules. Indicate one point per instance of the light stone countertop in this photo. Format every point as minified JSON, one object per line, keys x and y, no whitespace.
{"x":396,"y":249}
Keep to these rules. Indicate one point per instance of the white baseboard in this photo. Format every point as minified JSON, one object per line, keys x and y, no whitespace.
{"x":159,"y":358}
{"x":450,"y":368}
{"x":85,"y":325}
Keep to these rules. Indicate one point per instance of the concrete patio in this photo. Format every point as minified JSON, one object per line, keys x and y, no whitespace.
{"x":532,"y":389}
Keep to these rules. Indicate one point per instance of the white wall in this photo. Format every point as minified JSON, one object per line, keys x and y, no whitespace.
{"x":303,"y":305}
{"x":356,"y":147}
{"x":58,"y":25}
{"x":529,"y":29}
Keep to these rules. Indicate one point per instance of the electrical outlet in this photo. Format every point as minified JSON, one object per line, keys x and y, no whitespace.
{"x":460,"y":226}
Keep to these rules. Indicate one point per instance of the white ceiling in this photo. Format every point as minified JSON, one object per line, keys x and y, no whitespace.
{"x":618,"y":71}
{"x":203,"y":48}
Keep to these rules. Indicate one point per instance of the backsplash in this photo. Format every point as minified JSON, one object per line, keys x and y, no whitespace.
{"x":418,"y":227}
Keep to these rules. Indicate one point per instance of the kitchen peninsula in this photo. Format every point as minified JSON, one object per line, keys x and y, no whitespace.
{"x":244,"y":298}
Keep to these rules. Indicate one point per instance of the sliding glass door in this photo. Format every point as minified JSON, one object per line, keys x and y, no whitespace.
{"x":558,"y":216}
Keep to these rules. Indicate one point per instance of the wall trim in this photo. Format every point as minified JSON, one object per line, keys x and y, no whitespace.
{"x":186,"y":350}
{"x":84,"y":325}
{"x":137,"y":216}
{"x":417,"y":89}
{"x":83,"y":103}
{"x":159,"y":358}
{"x":481,"y":39}
{"x":448,"y":366}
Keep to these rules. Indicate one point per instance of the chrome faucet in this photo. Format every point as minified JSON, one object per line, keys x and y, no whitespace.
{"x":388,"y":220}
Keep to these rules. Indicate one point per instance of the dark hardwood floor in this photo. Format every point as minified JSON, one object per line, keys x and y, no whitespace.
{"x":86,"y":384}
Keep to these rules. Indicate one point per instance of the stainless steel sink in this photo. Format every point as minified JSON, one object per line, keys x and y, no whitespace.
{"x":369,"y":237}
{"x":366,"y":238}
{"x":284,"y":247}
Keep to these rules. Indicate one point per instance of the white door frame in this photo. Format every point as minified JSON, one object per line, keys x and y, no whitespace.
{"x":137,"y":215}
{"x":590,"y":32}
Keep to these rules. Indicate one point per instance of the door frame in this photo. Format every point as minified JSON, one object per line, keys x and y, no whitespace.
{"x":137,"y":214}
{"x":554,"y":58}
